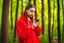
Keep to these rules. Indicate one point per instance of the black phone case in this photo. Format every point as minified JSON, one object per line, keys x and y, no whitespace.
{"x":37,"y":20}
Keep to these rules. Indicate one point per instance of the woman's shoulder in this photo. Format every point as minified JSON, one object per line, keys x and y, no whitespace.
{"x":20,"y":21}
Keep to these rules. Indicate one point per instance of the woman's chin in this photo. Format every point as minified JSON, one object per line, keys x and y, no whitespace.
{"x":30,"y":16}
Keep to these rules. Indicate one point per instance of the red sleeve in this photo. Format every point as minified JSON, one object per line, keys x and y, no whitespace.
{"x":37,"y":30}
{"x":22,"y":34}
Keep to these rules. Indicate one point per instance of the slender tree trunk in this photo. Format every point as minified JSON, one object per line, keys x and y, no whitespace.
{"x":49,"y":22}
{"x":11,"y":17}
{"x":36,"y":9}
{"x":16,"y":18}
{"x":63,"y":21}
{"x":53,"y":18}
{"x":0,"y":37}
{"x":43,"y":25}
{"x":21,"y":7}
{"x":30,"y":1}
{"x":5,"y":13}
{"x":53,"y":39}
{"x":58,"y":21}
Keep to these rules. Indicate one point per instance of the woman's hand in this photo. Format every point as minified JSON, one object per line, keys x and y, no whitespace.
{"x":34,"y":24}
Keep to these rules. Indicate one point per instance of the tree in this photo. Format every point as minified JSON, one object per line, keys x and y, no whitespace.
{"x":11,"y":16}
{"x":16,"y":18}
{"x":49,"y":22}
{"x":63,"y":21}
{"x":35,"y":9}
{"x":58,"y":21}
{"x":30,"y":1}
{"x":5,"y":13}
{"x":21,"y":6}
{"x":53,"y":17}
{"x":43,"y":25}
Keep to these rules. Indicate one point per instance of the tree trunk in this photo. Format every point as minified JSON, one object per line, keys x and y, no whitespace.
{"x":11,"y":17}
{"x":49,"y":23}
{"x":43,"y":25}
{"x":35,"y":10}
{"x":14,"y":38}
{"x":21,"y":7}
{"x":30,"y":1}
{"x":63,"y":21}
{"x":5,"y":14}
{"x":53,"y":18}
{"x":58,"y":21}
{"x":54,"y":40}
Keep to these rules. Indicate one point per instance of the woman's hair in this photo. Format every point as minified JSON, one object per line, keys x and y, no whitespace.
{"x":28,"y":6}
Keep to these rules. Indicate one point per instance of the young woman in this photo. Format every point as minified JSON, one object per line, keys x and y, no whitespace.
{"x":27,"y":28}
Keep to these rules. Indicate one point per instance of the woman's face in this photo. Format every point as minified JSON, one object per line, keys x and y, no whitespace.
{"x":30,"y":12}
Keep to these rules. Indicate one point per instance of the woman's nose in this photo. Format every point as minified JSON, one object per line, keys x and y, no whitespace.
{"x":33,"y":13}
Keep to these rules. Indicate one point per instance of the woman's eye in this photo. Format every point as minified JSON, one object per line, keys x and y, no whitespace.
{"x":32,"y":11}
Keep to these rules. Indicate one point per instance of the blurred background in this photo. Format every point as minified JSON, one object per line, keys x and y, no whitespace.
{"x":49,"y":12}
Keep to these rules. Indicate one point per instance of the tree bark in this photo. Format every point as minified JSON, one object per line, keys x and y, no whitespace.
{"x":21,"y":7}
{"x":43,"y":23}
{"x":63,"y":21}
{"x":16,"y":18}
{"x":49,"y":23}
{"x":53,"y":18}
{"x":58,"y":21}
{"x":5,"y":14}
{"x":30,"y":1}
{"x":11,"y":17}
{"x":35,"y":10}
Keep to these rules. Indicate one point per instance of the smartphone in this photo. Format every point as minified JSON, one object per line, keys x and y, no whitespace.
{"x":37,"y":20}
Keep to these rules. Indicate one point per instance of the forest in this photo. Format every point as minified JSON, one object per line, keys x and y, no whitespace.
{"x":49,"y":12}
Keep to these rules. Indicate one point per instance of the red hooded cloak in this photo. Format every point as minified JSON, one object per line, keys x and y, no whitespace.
{"x":26,"y":34}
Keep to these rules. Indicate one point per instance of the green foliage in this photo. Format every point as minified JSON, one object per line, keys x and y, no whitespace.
{"x":43,"y":38}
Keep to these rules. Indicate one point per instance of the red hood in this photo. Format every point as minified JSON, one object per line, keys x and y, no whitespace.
{"x":23,"y":16}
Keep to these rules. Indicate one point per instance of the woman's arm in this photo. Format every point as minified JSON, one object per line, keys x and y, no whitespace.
{"x":22,"y":34}
{"x":37,"y":30}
